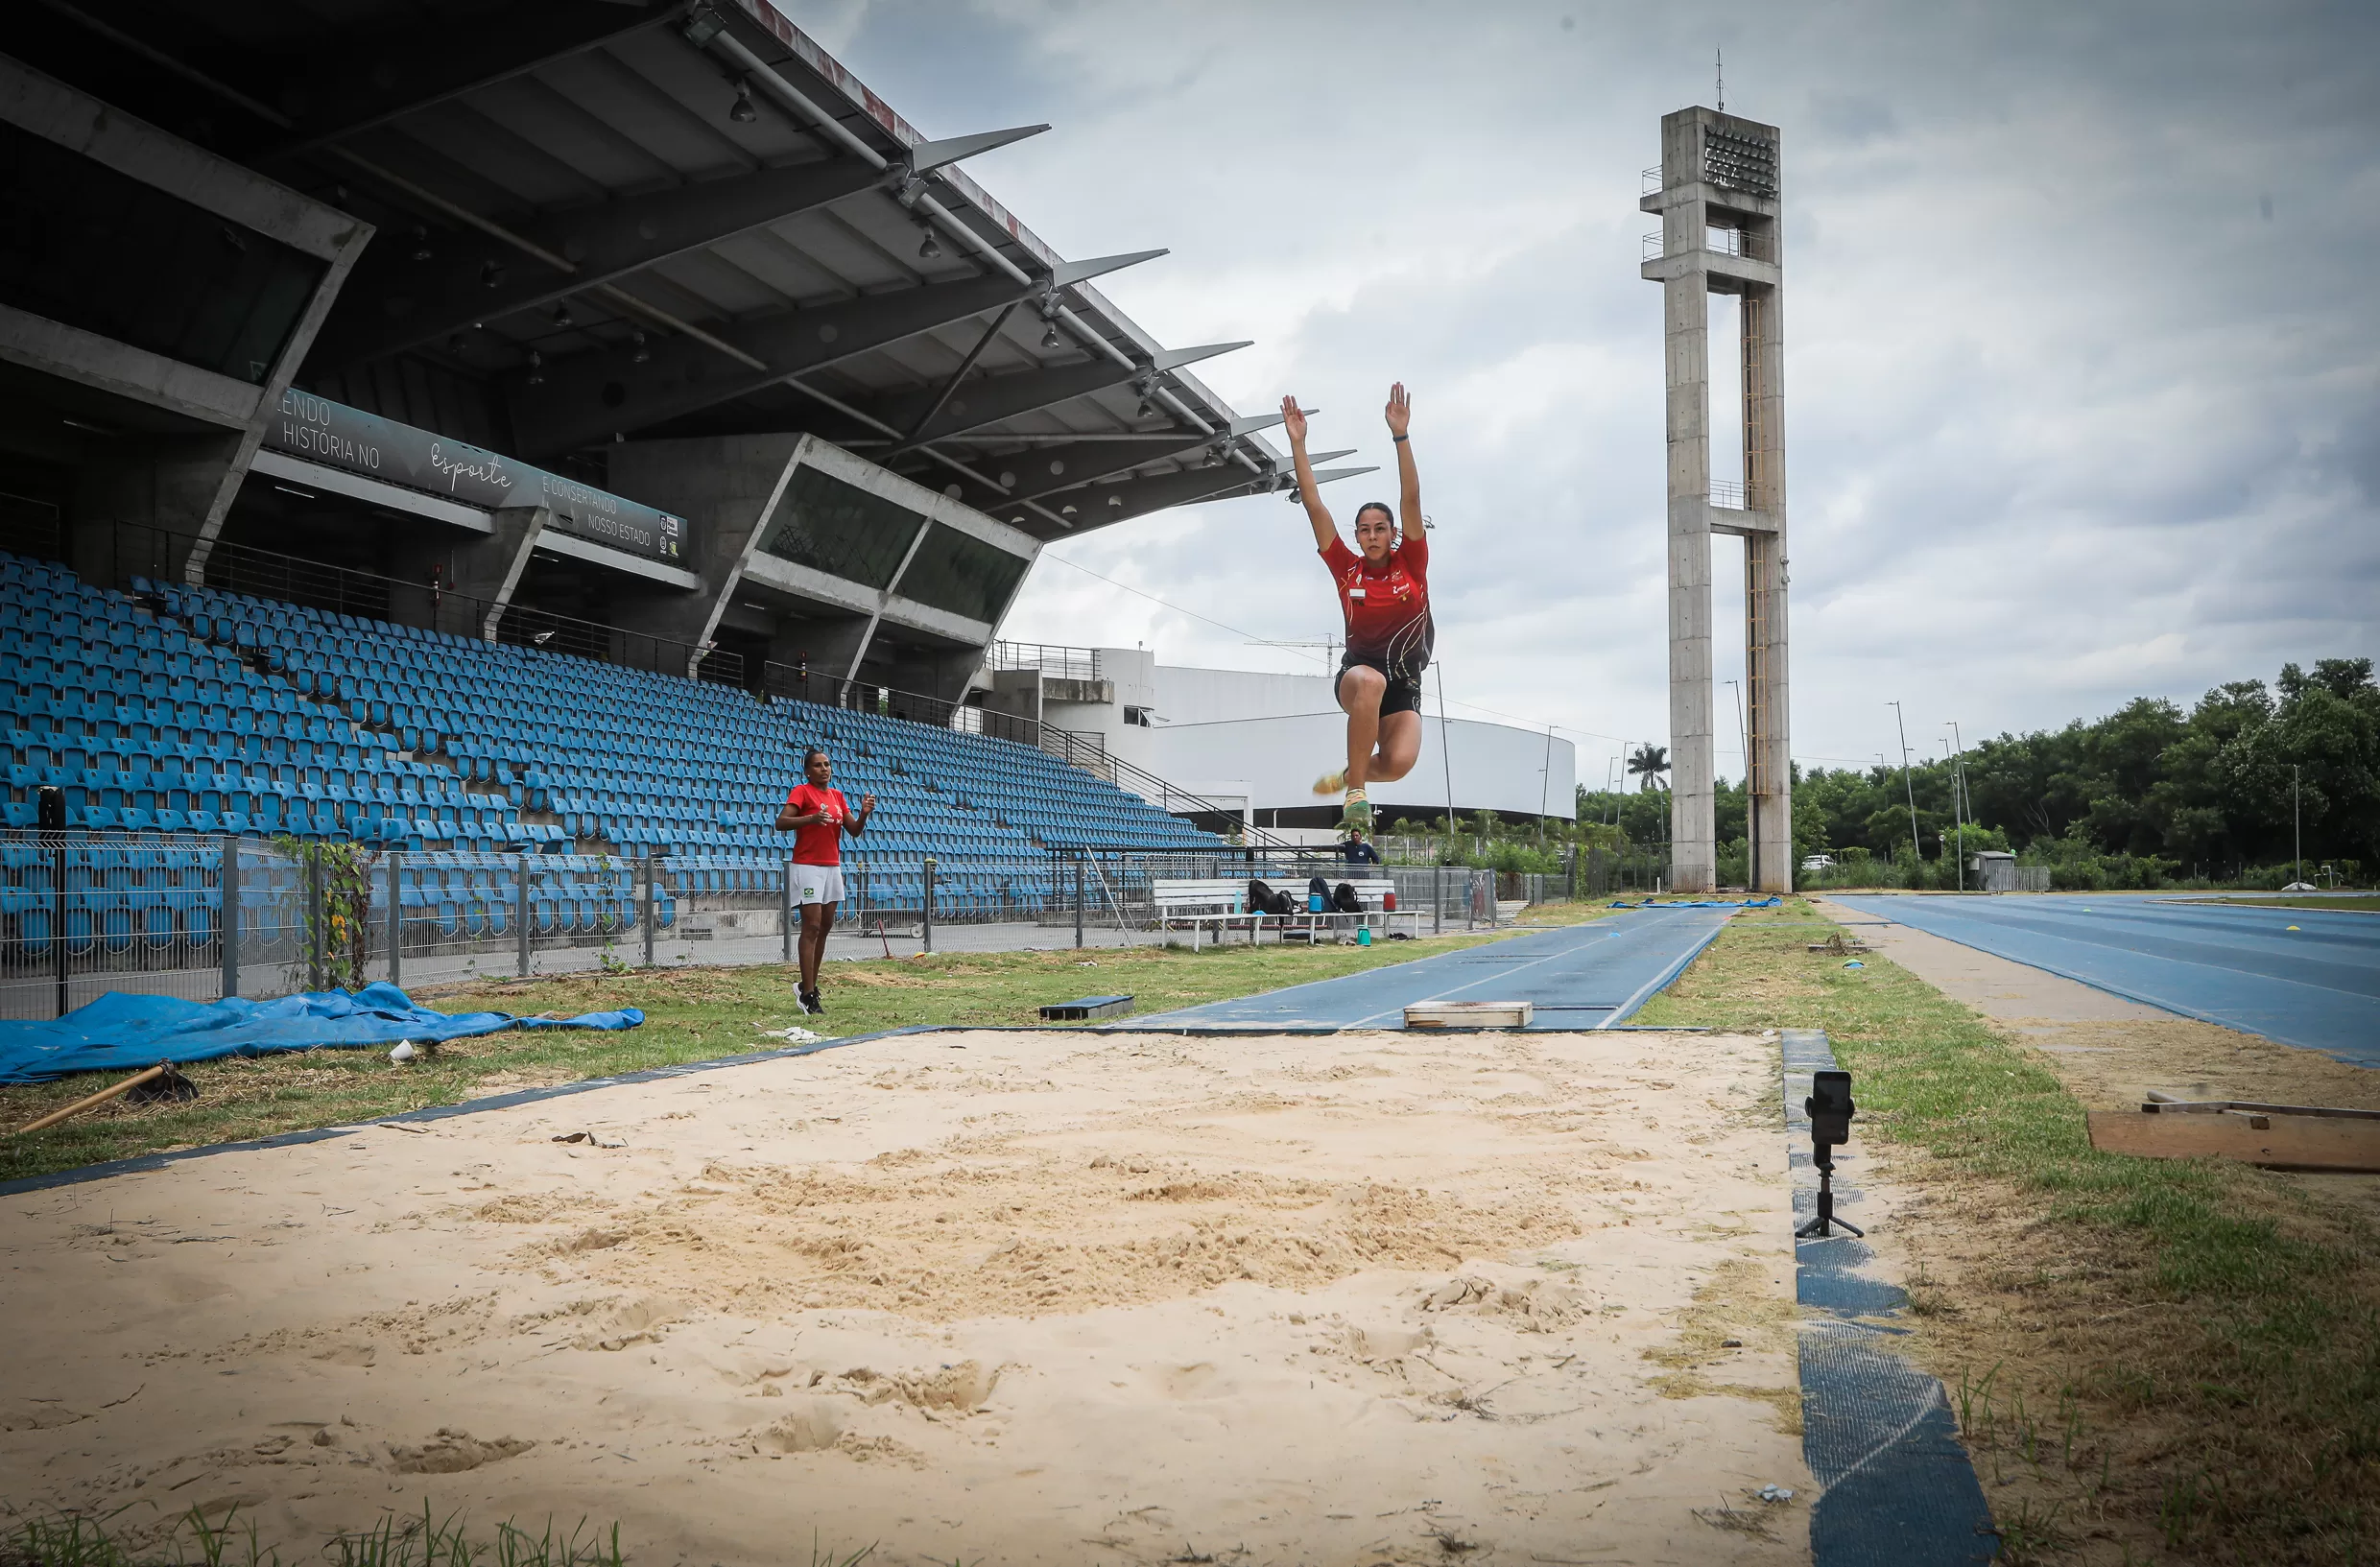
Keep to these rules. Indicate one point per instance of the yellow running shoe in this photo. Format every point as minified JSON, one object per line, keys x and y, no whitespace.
{"x":1357,"y":816}
{"x":1330,"y":783}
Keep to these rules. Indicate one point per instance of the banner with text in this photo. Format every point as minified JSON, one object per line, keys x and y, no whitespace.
{"x":337,"y":435}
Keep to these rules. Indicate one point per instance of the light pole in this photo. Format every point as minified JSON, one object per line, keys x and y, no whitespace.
{"x":1959,"y":800}
{"x":1916,"y":855}
{"x":1957,"y":823}
{"x":2296,"y":826}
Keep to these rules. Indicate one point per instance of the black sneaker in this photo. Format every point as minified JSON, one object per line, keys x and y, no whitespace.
{"x":811,"y":1004}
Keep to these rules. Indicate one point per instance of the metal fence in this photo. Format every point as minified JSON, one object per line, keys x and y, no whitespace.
{"x":202,"y":917}
{"x":1065,"y":663}
{"x":84,"y":913}
{"x":1115,"y":889}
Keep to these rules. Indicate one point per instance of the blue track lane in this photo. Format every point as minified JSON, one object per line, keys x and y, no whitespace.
{"x":1579,"y":977}
{"x":2317,"y":986}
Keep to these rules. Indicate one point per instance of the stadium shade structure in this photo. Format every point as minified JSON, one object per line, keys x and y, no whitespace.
{"x":650,"y":316}
{"x":1717,"y":194}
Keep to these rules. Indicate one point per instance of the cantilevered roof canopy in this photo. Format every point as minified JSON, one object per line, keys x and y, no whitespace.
{"x":602,"y":220}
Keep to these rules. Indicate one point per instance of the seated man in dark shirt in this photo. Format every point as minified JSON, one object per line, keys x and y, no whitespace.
{"x":1359,"y":852}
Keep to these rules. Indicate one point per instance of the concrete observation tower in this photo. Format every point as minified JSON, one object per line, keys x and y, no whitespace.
{"x":1717,"y":194}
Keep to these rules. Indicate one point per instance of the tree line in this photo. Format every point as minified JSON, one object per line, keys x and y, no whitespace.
{"x":2148,"y":794}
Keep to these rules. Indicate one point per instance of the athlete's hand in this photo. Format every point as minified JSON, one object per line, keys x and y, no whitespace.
{"x":1400,"y":409}
{"x":1294,"y":421}
{"x":867,"y":804}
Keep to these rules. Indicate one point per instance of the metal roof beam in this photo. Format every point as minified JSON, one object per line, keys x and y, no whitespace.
{"x":926,"y":156}
{"x":1053,"y":468}
{"x":367,"y":81}
{"x":1099,"y":505}
{"x":1007,"y":396}
{"x":400,"y":302}
{"x":589,"y":397}
{"x":1105,"y":464}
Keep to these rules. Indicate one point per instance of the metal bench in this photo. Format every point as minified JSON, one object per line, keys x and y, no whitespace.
{"x":1197,"y":903}
{"x":1223,"y":904}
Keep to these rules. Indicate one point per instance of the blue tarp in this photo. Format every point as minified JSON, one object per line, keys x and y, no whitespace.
{"x":122,"y":1032}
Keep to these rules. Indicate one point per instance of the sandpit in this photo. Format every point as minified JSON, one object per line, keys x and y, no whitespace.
{"x":997,"y":1296}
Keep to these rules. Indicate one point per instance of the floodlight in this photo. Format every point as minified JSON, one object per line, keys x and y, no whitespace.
{"x":742,"y":112}
{"x":932,"y":249}
{"x":1051,"y":338}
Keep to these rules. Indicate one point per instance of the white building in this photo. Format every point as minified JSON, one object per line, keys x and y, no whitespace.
{"x":1255,"y":743}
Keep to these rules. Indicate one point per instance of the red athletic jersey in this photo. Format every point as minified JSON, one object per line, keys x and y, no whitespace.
{"x":1387,"y":606}
{"x":820,"y":844}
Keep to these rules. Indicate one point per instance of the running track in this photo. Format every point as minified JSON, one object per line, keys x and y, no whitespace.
{"x":1589,"y":976}
{"x":2317,"y":985}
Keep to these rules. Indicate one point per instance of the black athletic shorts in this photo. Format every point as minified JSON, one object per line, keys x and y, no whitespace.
{"x":1404,"y":691}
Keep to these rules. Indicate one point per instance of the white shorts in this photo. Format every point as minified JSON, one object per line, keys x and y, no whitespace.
{"x":818,"y":884}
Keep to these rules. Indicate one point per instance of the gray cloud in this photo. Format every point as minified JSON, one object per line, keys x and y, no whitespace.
{"x":2081,"y":392}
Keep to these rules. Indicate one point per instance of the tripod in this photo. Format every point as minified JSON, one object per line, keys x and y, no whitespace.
{"x":1823,"y":1157}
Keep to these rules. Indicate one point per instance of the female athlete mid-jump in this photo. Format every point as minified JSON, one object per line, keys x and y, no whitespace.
{"x":1384,"y":593}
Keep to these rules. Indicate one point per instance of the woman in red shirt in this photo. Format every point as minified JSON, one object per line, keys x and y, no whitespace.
{"x":1384,"y":592}
{"x":817,"y":816}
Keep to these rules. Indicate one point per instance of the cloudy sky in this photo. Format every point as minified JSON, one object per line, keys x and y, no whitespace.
{"x":2083,"y":363}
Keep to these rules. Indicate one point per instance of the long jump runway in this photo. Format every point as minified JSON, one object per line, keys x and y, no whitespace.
{"x":1590,"y":976}
{"x":2315,"y":984}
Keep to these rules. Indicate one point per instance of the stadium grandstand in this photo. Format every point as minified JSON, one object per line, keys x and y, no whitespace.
{"x":501,"y":458}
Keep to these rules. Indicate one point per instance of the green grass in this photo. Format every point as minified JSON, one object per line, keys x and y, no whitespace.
{"x":692,"y":1014}
{"x":2368,"y":902}
{"x":2212,"y":1325}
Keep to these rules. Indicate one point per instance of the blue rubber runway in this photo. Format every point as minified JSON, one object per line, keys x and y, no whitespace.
{"x":1587,"y":976}
{"x":2317,"y":986}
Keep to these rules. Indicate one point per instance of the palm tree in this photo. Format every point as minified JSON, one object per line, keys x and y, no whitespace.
{"x":1648,"y":762}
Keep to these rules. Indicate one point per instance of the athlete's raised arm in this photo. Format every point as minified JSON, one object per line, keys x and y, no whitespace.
{"x":1408,"y":481}
{"x":1294,"y":420}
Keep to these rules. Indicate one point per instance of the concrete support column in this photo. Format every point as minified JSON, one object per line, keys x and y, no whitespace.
{"x":1769,"y":769}
{"x":1767,"y":640}
{"x":1686,"y":305}
{"x":169,"y":485}
{"x":727,"y":489}
{"x":488,"y":569}
{"x":830,"y":646}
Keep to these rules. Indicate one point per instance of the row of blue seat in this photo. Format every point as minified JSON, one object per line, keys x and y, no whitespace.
{"x":646,"y":762}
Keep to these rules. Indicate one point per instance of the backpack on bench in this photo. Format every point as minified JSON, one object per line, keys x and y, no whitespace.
{"x":1264,"y":900}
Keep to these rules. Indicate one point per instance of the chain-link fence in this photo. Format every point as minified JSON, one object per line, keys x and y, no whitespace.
{"x":202,"y":917}
{"x":84,"y":913}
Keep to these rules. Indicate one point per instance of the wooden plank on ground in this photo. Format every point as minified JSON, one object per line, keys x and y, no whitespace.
{"x":2282,"y":1142}
{"x":1469,"y":1014}
{"x":2166,"y":1105}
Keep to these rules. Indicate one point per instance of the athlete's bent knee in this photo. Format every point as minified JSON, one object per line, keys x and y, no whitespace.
{"x":1363,"y":684}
